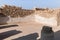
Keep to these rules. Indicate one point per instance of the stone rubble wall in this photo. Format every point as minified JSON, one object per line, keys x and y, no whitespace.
{"x":14,"y":11}
{"x":20,"y":14}
{"x":46,"y":21}
{"x":29,"y":18}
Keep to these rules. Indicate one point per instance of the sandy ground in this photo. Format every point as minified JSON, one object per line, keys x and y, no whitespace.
{"x":26,"y":29}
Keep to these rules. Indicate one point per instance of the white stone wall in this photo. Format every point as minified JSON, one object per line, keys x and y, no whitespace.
{"x":47,"y":21}
{"x":32,"y":18}
{"x":29,"y":18}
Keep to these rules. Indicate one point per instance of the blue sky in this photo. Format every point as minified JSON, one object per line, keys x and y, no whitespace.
{"x":29,"y":4}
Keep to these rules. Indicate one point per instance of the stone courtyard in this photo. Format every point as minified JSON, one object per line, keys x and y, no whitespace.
{"x":23,"y":24}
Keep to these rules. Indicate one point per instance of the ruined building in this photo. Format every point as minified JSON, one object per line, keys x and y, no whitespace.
{"x":42,"y":15}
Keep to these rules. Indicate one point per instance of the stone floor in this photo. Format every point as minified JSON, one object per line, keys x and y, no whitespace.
{"x":24,"y":31}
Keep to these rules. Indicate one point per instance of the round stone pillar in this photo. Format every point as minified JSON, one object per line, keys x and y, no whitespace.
{"x":47,"y":33}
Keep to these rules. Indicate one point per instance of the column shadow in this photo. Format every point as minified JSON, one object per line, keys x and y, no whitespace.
{"x":8,"y":34}
{"x":28,"y":37}
{"x":7,"y":26}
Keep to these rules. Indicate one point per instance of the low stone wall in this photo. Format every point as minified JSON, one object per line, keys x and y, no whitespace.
{"x":3,"y":20}
{"x":46,"y":21}
{"x":29,"y":18}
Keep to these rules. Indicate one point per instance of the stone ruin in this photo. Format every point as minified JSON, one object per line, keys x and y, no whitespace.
{"x":47,"y":33}
{"x":14,"y":12}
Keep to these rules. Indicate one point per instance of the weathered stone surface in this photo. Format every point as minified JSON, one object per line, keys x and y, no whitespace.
{"x":14,"y":11}
{"x":51,"y":15}
{"x":47,"y":33}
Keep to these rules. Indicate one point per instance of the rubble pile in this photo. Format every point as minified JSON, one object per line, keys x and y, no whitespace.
{"x":14,"y":11}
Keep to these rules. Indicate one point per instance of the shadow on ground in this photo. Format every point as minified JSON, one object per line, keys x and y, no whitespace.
{"x":8,"y":34}
{"x":7,"y":26}
{"x":35,"y":35}
{"x":32,"y":36}
{"x":28,"y":37}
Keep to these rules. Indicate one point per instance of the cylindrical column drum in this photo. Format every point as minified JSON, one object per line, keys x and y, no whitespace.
{"x":47,"y":33}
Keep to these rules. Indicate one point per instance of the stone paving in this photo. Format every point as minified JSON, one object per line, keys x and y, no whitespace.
{"x":24,"y":31}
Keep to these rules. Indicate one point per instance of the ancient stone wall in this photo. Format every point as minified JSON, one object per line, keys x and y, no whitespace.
{"x":14,"y":11}
{"x":46,"y":12}
{"x":58,"y":17}
{"x":43,"y":14}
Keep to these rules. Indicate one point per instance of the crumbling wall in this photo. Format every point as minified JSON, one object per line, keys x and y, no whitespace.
{"x":46,"y":17}
{"x":16,"y":14}
{"x":58,"y":18}
{"x":14,"y":11}
{"x":45,"y":12}
{"x":29,"y":18}
{"x":25,"y":14}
